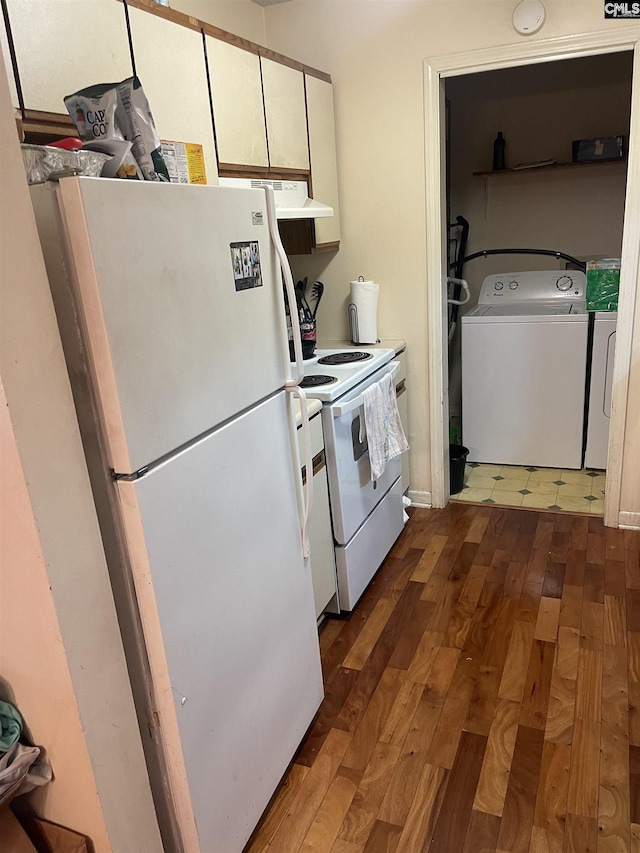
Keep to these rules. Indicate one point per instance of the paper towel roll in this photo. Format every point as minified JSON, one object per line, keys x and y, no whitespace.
{"x":363,"y":309}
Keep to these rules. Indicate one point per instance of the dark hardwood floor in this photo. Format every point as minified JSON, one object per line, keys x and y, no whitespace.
{"x":484,"y":697}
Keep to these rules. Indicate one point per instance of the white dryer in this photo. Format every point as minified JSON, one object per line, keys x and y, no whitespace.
{"x":524,"y":353}
{"x":602,"y":352}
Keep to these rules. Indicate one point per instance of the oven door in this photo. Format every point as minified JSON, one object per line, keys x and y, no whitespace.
{"x":353,"y":495}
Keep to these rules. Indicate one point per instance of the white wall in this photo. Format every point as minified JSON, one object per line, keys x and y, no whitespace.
{"x":60,"y":649}
{"x":375,"y":52}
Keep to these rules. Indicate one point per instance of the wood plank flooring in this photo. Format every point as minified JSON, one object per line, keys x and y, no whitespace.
{"x":484,"y":697}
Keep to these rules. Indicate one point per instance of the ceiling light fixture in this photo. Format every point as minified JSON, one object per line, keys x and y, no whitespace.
{"x":268,"y":2}
{"x":528,"y":17}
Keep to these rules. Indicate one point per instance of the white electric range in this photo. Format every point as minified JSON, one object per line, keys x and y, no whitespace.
{"x":342,"y":370}
{"x":367,"y":516}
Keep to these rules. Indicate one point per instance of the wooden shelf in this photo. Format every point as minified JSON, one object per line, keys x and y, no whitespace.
{"x":551,"y":168}
{"x":41,"y":128}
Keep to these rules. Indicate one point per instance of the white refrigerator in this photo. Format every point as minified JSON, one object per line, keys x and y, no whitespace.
{"x":170,"y":305}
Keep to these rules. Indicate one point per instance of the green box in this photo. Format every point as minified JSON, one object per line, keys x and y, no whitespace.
{"x":603,"y":284}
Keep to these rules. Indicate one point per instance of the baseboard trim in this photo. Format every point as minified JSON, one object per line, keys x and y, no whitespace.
{"x":420,"y":499}
{"x":629,"y":520}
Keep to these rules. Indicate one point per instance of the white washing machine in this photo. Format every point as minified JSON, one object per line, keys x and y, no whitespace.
{"x":524,"y":353}
{"x":602,"y":352}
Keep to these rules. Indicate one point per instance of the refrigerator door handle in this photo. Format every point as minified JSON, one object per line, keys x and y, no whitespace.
{"x":307,"y":502}
{"x":288,"y":283}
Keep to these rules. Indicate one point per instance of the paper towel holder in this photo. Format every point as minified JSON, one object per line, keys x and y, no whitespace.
{"x":354,"y":332}
{"x":353,"y":323}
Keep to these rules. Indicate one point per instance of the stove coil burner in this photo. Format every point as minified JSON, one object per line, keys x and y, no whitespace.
{"x":315,"y":380}
{"x":344,"y":357}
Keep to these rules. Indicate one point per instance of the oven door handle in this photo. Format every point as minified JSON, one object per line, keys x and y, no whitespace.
{"x":341,"y":409}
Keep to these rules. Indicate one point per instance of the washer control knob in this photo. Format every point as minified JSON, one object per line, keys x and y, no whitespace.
{"x":498,"y":285}
{"x":565,"y":282}
{"x":513,"y":285}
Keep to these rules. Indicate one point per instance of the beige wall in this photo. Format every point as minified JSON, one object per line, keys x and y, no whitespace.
{"x":630,"y":498}
{"x":35,"y":673}
{"x":240,"y":17}
{"x":375,"y":52}
{"x":60,"y":649}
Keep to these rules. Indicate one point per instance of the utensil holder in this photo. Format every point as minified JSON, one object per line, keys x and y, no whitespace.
{"x":308,"y":334}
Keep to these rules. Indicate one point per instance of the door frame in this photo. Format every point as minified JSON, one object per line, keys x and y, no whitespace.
{"x":436,"y":70}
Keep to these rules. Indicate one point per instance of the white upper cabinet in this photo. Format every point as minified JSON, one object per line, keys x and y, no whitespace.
{"x":170,"y":64}
{"x":65,"y":45}
{"x":284,"y":105}
{"x":236,"y":91}
{"x":4,"y":45}
{"x":322,"y":148}
{"x":269,"y":116}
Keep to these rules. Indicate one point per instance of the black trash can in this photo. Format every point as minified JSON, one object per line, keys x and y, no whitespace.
{"x":457,"y":458}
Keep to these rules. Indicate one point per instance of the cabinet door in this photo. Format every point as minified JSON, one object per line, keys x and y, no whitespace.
{"x":171,"y":67}
{"x":284,"y":106}
{"x":238,"y":111}
{"x":6,"y":56}
{"x":322,"y":148}
{"x":62,"y":46}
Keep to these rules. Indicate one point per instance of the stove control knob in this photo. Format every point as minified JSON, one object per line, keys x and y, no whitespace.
{"x":565,"y":282}
{"x":498,"y":285}
{"x":513,"y":285}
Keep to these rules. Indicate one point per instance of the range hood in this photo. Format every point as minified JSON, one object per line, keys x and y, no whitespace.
{"x":292,"y":197}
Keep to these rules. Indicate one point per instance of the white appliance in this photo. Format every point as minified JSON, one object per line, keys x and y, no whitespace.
{"x":602,"y":354}
{"x":523,"y":370}
{"x":176,"y":343}
{"x":367,"y":517}
{"x":291,"y":197}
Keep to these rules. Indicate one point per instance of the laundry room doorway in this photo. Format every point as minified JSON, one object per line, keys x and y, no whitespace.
{"x":519,"y":59}
{"x":517,"y":393}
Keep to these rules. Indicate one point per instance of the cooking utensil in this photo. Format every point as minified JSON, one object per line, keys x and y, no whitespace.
{"x":299,"y":291}
{"x":316,"y":293}
{"x":304,"y":311}
{"x":306,"y":320}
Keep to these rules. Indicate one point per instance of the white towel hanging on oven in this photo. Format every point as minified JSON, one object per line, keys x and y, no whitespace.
{"x":385,"y":436}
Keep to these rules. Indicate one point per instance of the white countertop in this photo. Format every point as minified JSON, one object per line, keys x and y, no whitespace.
{"x":313,"y":407}
{"x":395,"y":344}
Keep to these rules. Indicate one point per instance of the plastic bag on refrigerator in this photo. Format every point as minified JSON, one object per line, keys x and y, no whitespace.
{"x":120,"y":111}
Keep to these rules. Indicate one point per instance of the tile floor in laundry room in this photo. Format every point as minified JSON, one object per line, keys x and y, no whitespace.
{"x":539,"y":488}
